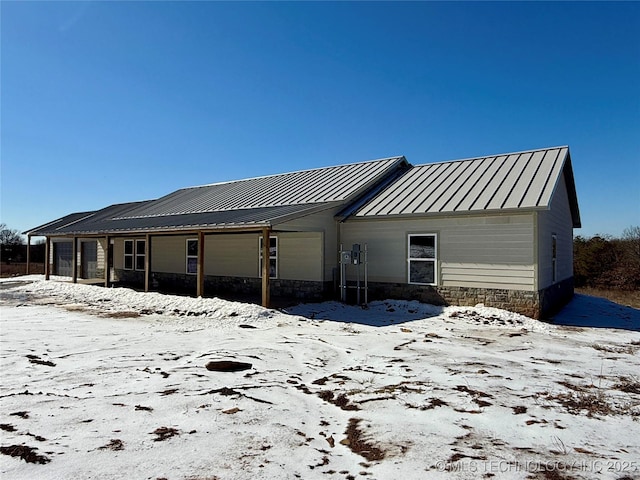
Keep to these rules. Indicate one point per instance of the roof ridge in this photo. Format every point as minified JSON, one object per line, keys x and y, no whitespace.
{"x":493,"y":155}
{"x":259,"y":177}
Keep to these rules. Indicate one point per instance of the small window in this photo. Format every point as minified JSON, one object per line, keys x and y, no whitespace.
{"x":554,"y":258}
{"x":134,"y":259}
{"x":140,"y":254}
{"x":192,"y":256}
{"x":128,"y":254}
{"x":422,"y":259}
{"x":273,"y":257}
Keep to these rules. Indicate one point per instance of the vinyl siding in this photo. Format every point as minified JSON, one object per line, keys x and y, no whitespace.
{"x":556,"y":220}
{"x":300,"y":256}
{"x":118,"y":252}
{"x":169,"y":253}
{"x":231,"y":255}
{"x":102,"y":250}
{"x":473,"y":251}
{"x":324,"y":223}
{"x":236,"y":255}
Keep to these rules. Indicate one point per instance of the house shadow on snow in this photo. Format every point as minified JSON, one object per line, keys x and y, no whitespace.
{"x":376,"y":314}
{"x":588,"y":311}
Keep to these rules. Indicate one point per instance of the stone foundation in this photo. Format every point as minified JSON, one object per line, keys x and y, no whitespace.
{"x":230,"y":286}
{"x":533,"y":304}
{"x":129,"y":278}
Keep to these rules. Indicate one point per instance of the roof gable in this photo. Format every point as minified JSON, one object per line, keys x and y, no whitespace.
{"x":521,"y":180}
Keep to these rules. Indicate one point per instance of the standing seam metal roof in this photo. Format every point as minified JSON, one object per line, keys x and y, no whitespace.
{"x":330,"y":184}
{"x":500,"y":182}
{"x":262,"y":201}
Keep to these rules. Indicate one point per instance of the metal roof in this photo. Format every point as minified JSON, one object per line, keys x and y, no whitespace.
{"x":101,"y":222}
{"x":521,"y":180}
{"x":256,"y":202}
{"x":330,"y":184}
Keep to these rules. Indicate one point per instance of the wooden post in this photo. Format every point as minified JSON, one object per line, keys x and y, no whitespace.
{"x":47,"y":255}
{"x":107,"y":268}
{"x":74,"y":264}
{"x":147,"y":262}
{"x":28,"y":254}
{"x":200,"y":275}
{"x":266,"y":290}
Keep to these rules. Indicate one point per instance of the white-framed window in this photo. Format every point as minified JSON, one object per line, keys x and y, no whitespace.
{"x":554,"y":257}
{"x":422,"y":259}
{"x":134,"y":254}
{"x":273,"y":257}
{"x":192,"y":256}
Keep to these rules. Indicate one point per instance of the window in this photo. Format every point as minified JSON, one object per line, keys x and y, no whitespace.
{"x":422,"y":259}
{"x":134,"y":259}
{"x":192,"y":256}
{"x":128,"y":254}
{"x":140,"y":254}
{"x":554,"y":258}
{"x":273,"y":257}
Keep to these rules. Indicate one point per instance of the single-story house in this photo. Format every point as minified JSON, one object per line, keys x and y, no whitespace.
{"x":496,"y":230}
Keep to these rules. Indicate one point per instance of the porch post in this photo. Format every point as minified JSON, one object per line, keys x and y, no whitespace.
{"x":147,"y":262}
{"x":47,"y":255}
{"x":200,"y":271}
{"x":266,"y":290}
{"x":107,"y":268}
{"x":74,"y":264}
{"x":28,"y":255}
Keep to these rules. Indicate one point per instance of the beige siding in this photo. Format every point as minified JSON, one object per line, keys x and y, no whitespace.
{"x":102,"y":249}
{"x":491,"y":275}
{"x":231,"y":255}
{"x":236,"y":255}
{"x":169,"y":253}
{"x":300,"y":256}
{"x":557,"y":220}
{"x":325,"y":223}
{"x":118,"y":253}
{"x":473,"y":251}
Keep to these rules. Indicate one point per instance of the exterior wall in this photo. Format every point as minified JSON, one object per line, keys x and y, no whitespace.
{"x":129,"y":277}
{"x":102,"y":254}
{"x":473,"y":251}
{"x":557,"y":220}
{"x":480,"y":259}
{"x":525,"y":302}
{"x":169,"y":253}
{"x":232,"y":264}
{"x":229,"y":255}
{"x":300,"y":256}
{"x":323,"y":222}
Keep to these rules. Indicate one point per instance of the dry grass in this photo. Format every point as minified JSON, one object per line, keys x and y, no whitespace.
{"x":622,"y":297}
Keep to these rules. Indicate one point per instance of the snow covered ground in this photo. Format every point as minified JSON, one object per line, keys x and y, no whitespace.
{"x":110,"y":383}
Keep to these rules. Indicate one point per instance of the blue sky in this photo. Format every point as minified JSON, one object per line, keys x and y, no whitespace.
{"x":110,"y":102}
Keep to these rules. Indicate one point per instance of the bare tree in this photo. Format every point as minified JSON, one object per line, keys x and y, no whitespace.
{"x":9,"y":236}
{"x":631,"y":237}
